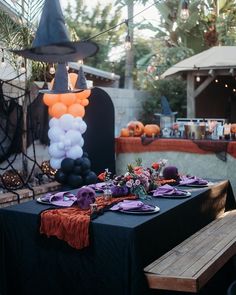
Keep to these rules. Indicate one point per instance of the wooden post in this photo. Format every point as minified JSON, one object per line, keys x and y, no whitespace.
{"x":190,"y":95}
{"x":129,"y":61}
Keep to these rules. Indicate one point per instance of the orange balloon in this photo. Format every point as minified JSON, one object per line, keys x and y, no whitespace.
{"x":50,"y":99}
{"x":83,"y":94}
{"x":58,"y":109}
{"x":76,"y":110}
{"x":84,"y":102}
{"x":72,"y":79}
{"x":50,"y":111}
{"x":68,"y":98}
{"x":78,"y":100}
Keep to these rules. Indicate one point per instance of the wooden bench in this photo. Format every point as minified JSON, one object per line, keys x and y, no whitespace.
{"x":191,"y":264}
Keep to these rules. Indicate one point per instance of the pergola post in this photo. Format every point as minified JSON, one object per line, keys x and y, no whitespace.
{"x":190,"y":95}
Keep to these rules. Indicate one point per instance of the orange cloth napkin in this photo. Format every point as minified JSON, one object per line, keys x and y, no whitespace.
{"x":72,"y":224}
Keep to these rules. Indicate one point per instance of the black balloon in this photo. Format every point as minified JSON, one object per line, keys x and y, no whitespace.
{"x":60,"y":176}
{"x":78,"y":161}
{"x":67,"y":165}
{"x":77,"y":170}
{"x":86,"y":164}
{"x":74,"y":180}
{"x":85,"y":155}
{"x":86,"y":172}
{"x":90,"y":178}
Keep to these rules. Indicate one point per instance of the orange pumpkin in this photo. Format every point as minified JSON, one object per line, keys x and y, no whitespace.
{"x":151,"y":130}
{"x":124,"y":132}
{"x":233,"y":128}
{"x":135,"y":128}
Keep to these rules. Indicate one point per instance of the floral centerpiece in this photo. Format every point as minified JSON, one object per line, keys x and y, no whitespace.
{"x":138,"y":180}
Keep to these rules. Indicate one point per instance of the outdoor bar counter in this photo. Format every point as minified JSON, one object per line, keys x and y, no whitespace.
{"x":203,"y":158}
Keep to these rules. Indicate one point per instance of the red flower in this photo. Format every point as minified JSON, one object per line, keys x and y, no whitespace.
{"x":138,"y":170}
{"x":155,"y":166}
{"x":102,"y":176}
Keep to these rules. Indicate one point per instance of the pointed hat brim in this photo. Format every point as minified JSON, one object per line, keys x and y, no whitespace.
{"x":60,"y":52}
{"x":47,"y":91}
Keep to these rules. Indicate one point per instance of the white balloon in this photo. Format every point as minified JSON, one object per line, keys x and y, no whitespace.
{"x":82,"y":127}
{"x":77,"y":122}
{"x":74,"y":152}
{"x":55,"y":134}
{"x":74,"y":136}
{"x":54,"y":122}
{"x":67,"y":142}
{"x":61,"y":145}
{"x":56,"y":163}
{"x":66,"y":121}
{"x":55,"y":152}
{"x":81,"y":142}
{"x":78,"y":119}
{"x":76,"y":125}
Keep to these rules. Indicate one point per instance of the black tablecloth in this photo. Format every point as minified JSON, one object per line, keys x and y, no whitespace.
{"x":121,"y":245}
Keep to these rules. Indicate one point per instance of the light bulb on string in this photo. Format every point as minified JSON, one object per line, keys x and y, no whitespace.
{"x":128,"y":44}
{"x":80,"y":62}
{"x":22,"y":68}
{"x":52,"y":69}
{"x":3,"y":63}
{"x":198,"y":79}
{"x":184,"y":13}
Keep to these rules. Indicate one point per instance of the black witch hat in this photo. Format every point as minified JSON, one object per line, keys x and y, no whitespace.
{"x":52,"y":43}
{"x":165,"y":108}
{"x":61,"y":83}
{"x":81,"y":82}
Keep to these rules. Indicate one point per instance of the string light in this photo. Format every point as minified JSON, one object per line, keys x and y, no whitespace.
{"x":216,"y":80}
{"x":52,"y":69}
{"x":184,"y":13}
{"x":12,"y":179}
{"x":123,"y":22}
{"x":128,"y":44}
{"x":198,"y":79}
{"x":22,"y":68}
{"x":3,"y":63}
{"x":113,"y":70}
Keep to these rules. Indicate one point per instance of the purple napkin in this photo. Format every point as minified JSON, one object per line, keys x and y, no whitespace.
{"x":119,"y":191}
{"x":63,"y":199}
{"x":167,"y":190}
{"x":187,"y":180}
{"x":100,"y":186}
{"x":128,"y":205}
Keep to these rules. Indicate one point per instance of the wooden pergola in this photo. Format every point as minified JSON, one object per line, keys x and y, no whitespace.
{"x":205,"y":67}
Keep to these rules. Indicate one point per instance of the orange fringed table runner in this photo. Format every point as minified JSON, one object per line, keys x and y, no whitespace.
{"x":72,"y":224}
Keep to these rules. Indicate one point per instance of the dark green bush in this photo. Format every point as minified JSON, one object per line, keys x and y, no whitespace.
{"x":174,"y":90}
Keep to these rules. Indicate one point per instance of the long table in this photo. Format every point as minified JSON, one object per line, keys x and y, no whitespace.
{"x":121,"y":245}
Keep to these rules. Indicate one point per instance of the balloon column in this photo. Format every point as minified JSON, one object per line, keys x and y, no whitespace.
{"x":65,"y":133}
